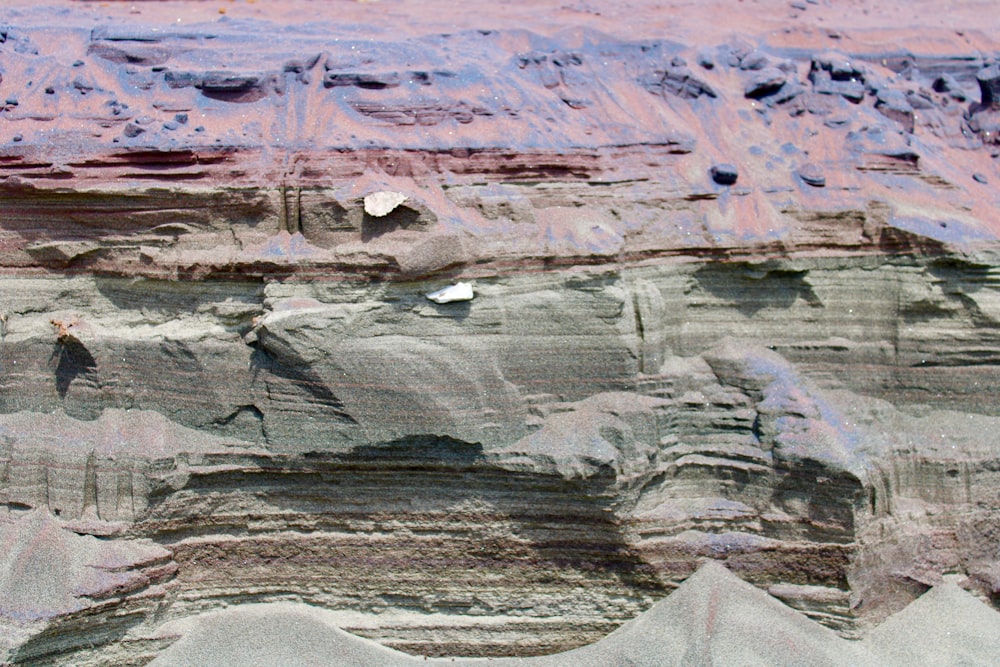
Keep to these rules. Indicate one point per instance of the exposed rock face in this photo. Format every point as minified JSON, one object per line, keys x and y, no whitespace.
{"x":483,"y":340}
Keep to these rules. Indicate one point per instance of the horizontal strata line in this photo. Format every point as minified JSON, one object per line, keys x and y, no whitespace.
{"x":387,"y":272}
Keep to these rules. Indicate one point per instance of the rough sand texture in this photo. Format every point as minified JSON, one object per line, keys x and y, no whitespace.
{"x":713,"y":618}
{"x":714,"y":280}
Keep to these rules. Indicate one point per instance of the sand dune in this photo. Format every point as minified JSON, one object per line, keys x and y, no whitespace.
{"x":714,"y":618}
{"x":944,"y":626}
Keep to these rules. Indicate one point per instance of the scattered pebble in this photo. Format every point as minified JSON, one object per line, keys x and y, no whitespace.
{"x":979,"y":178}
{"x":452,"y":293}
{"x":706,"y":59}
{"x":811,"y":174}
{"x":764,"y":82}
{"x":133,"y":130}
{"x":724,"y":174}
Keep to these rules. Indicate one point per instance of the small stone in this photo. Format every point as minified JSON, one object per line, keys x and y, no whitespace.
{"x":724,"y":174}
{"x":11,"y":101}
{"x":945,"y":83}
{"x":989,"y":86}
{"x":181,"y":118}
{"x":979,"y":178}
{"x":706,"y":59}
{"x":453,"y":293}
{"x":132,"y":130}
{"x":764,"y":82}
{"x":755,"y":60}
{"x":896,"y":105}
{"x":78,"y":63}
{"x":383,"y":203}
{"x":170,"y":125}
{"x":811,"y":174}
{"x":200,"y":128}
{"x":17,"y":137}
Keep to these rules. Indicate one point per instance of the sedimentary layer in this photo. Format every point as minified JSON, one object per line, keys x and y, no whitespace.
{"x":483,"y":337}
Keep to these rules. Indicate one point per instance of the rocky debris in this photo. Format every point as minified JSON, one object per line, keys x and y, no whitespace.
{"x":678,"y":81}
{"x":379,"y":81}
{"x":765,"y":82}
{"x":452,"y":293}
{"x":832,"y":73}
{"x":989,"y":88}
{"x":984,"y":116}
{"x":895,"y":104}
{"x":724,"y":173}
{"x":946,"y":83}
{"x":811,"y":174}
{"x":382,"y":203}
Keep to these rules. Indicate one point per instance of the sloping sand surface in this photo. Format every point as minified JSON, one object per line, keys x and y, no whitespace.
{"x":944,"y":626}
{"x":713,"y":618}
{"x":716,"y":618}
{"x":286,"y":634}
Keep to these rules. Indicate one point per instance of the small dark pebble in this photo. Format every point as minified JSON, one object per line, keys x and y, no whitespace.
{"x":723,"y":174}
{"x":181,"y":118}
{"x":200,"y":128}
{"x":170,"y":125}
{"x":12,"y":101}
{"x":764,"y":82}
{"x":801,"y":6}
{"x":78,"y":63}
{"x":811,"y":174}
{"x":754,"y":60}
{"x":979,"y":178}
{"x":705,"y":59}
{"x":17,"y":137}
{"x":50,"y":91}
{"x":133,"y":130}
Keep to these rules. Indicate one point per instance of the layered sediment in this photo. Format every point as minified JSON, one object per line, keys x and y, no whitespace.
{"x":718,"y":296}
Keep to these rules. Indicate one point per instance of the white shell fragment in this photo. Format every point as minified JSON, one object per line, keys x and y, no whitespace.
{"x":383,"y":202}
{"x":456,"y":292}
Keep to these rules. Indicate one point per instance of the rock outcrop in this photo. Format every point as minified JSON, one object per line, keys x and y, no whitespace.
{"x":478,"y":332}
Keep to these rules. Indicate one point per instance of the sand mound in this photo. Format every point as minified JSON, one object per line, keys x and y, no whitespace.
{"x":944,"y":626}
{"x":280,"y":633}
{"x":714,"y":618}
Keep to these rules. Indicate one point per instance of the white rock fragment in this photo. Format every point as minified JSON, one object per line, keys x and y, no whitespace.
{"x":456,"y":292}
{"x":383,"y":202}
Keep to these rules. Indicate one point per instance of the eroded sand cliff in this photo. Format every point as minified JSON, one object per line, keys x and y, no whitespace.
{"x":728,"y":290}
